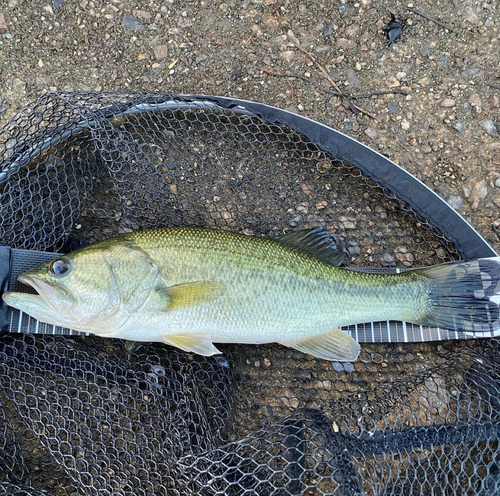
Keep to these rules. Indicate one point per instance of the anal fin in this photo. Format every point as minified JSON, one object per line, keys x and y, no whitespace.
{"x":334,"y":345}
{"x":197,"y":343}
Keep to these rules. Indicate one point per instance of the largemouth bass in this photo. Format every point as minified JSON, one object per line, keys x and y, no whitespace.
{"x":193,"y":287}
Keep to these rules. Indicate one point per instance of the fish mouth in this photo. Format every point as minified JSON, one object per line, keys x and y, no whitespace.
{"x":49,"y":305}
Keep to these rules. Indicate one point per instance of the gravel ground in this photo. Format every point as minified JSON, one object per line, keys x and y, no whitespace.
{"x":442,"y":122}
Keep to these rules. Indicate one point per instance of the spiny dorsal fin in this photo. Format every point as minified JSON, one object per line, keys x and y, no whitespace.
{"x":335,"y":345}
{"x":318,"y":242}
{"x":190,"y":293}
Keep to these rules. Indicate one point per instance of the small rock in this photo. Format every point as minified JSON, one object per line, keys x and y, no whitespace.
{"x":471,"y":16}
{"x":353,"y":248}
{"x":392,"y":107}
{"x":344,"y":44}
{"x":337,"y":366}
{"x":494,"y":102}
{"x":288,"y":55}
{"x":496,"y":227}
{"x":405,"y":124}
{"x":351,"y":30}
{"x":357,"y":66}
{"x":497,"y":183}
{"x":3,"y":24}
{"x":459,"y":126}
{"x":472,"y":72}
{"x":160,"y":51}
{"x":388,"y":259}
{"x":448,"y":102}
{"x":131,"y":22}
{"x":425,"y":81}
{"x":456,"y":202}
{"x":348,"y":367}
{"x":489,"y":127}
{"x":475,"y":101}
{"x":400,"y":75}
{"x":479,"y":192}
{"x":184,"y":22}
{"x":16,"y":86}
{"x":44,"y":80}
{"x":143,"y":14}
{"x":352,"y":78}
{"x":372,"y":133}
{"x":393,"y":82}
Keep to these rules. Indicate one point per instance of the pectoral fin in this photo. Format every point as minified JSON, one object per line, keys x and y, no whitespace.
{"x":190,"y":293}
{"x":197,"y":343}
{"x":335,"y":345}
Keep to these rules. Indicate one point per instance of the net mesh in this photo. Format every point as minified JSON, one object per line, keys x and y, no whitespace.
{"x":79,"y":415}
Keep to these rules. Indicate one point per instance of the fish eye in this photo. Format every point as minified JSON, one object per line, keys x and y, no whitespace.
{"x":59,"y":267}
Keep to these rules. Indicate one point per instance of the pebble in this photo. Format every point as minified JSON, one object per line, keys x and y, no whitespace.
{"x":353,"y":248}
{"x":478,"y":193}
{"x":456,"y":202}
{"x":288,"y":55}
{"x":352,"y":78}
{"x":3,"y":24}
{"x":475,"y":101}
{"x":497,"y":183}
{"x":425,"y":81}
{"x":143,"y":14}
{"x":16,"y":86}
{"x":160,"y":51}
{"x":388,"y":259}
{"x":131,"y":22}
{"x":343,"y":367}
{"x":448,"y":102}
{"x":489,"y":127}
{"x":471,"y":16}
{"x":472,"y":73}
{"x":405,"y":124}
{"x":496,"y":227}
{"x":459,"y":126}
{"x":392,"y":107}
{"x":372,"y":133}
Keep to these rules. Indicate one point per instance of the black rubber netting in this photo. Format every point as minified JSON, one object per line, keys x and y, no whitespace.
{"x":79,"y":416}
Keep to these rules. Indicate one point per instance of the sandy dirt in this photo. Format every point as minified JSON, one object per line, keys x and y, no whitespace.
{"x":441,"y":124}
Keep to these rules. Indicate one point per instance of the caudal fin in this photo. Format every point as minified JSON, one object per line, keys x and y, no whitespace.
{"x":465,"y":296}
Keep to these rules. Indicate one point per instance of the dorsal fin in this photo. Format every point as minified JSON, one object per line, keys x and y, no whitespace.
{"x":318,"y":242}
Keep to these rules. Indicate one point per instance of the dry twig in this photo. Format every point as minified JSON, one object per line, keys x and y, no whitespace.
{"x":330,"y":80}
{"x":274,"y":72}
{"x":435,"y":21}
